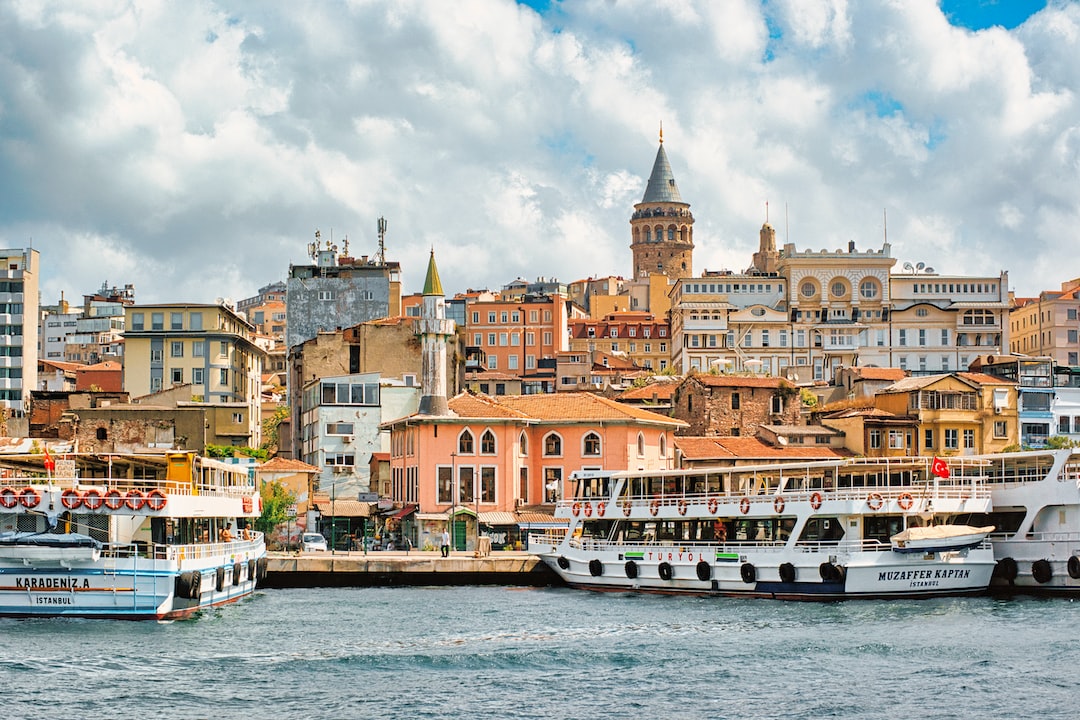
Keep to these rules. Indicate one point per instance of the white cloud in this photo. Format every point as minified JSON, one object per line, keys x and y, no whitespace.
{"x":193,"y":148}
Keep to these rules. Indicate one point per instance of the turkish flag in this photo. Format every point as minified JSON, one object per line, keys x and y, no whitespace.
{"x":940,"y":468}
{"x":50,"y":465}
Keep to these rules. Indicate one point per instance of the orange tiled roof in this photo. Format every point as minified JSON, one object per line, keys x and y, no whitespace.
{"x":662,"y":391}
{"x":284,"y":465}
{"x":468,"y":405}
{"x":880,"y":373}
{"x":710,"y":380}
{"x":748,"y":448}
{"x":581,"y":406}
{"x":985,"y":379}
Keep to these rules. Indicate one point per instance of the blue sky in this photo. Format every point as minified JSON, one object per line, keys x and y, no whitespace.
{"x":193,"y":149}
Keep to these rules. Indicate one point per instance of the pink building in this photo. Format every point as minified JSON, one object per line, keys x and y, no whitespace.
{"x":499,"y":455}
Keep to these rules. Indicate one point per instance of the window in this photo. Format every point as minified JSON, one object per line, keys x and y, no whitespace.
{"x":340,"y":428}
{"x":903,"y":337}
{"x":155,"y":356}
{"x":591,"y":445}
{"x":523,"y":484}
{"x":177,"y":376}
{"x":223,"y":349}
{"x":839,"y":289}
{"x":137,"y":320}
{"x":195,"y":319}
{"x":875,"y":439}
{"x":777,"y":405}
{"x":238,"y":418}
{"x":952,"y":439}
{"x":552,"y":445}
{"x":157,"y":321}
{"x":969,"y":439}
{"x":1063,"y":425}
{"x":326,"y":294}
{"x":197,"y":376}
{"x":198,"y":348}
{"x":868,"y":289}
{"x":896,"y":439}
{"x":735,"y":401}
{"x":641,"y":445}
{"x":465,"y":443}
{"x":808,"y":289}
{"x":487,"y":443}
{"x":928,"y":438}
{"x":177,"y":348}
{"x":1000,"y":429}
{"x":523,"y":445}
{"x":487,"y":484}
{"x":445,"y":484}
{"x":176,"y":321}
{"x":223,"y":376}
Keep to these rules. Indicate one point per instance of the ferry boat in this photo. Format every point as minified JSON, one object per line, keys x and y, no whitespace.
{"x":1036,"y":511}
{"x":126,"y":536}
{"x":823,"y":530}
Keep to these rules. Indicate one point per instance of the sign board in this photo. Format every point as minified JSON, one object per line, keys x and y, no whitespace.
{"x":64,"y":469}
{"x":291,"y":511}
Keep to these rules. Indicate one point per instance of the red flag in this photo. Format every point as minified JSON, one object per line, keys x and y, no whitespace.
{"x":940,"y":468}
{"x":50,"y":465}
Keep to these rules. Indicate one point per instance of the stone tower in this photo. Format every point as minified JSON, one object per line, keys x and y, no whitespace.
{"x":435,"y":332}
{"x":766,"y":259}
{"x":662,"y":226}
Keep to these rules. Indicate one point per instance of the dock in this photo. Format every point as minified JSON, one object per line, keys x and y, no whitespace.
{"x":400,"y":568}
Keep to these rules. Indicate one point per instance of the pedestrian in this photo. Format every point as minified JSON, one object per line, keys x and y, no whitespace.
{"x":445,"y":543}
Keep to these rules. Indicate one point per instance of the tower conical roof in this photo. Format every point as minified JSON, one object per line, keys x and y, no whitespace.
{"x":661,"y":187}
{"x":432,"y":284}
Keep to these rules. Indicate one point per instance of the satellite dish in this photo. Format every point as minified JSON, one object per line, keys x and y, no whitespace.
{"x":920,"y":266}
{"x":908,"y":267}
{"x":929,"y":269}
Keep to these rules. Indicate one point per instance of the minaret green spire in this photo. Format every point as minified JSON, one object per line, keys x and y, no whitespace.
{"x":432,"y":284}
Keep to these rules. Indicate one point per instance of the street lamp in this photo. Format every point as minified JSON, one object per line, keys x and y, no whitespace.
{"x":453,"y":498}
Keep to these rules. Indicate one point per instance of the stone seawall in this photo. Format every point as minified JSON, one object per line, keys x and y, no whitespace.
{"x":357,"y":569}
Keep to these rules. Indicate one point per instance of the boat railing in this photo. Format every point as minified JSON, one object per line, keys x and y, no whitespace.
{"x":143,"y":485}
{"x":969,"y":488}
{"x":187,"y":551}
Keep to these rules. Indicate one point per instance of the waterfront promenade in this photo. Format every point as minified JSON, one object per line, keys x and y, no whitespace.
{"x":415,"y":567}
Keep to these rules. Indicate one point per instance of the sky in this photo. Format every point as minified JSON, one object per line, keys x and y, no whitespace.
{"x":193,"y":148}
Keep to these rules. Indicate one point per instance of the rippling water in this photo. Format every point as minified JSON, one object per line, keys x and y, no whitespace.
{"x":555,"y":653}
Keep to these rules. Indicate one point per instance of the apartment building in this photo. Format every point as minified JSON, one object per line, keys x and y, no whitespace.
{"x":1048,"y":325}
{"x":18,"y":326}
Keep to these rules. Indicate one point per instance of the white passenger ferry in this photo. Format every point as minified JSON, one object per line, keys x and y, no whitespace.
{"x":126,"y":536}
{"x":1036,"y":510}
{"x":821,"y":530}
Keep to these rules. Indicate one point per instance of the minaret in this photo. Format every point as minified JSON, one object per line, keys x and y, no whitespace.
{"x":662,"y":226}
{"x":434,"y":331}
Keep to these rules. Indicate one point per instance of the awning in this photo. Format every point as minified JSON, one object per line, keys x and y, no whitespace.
{"x":400,"y":513}
{"x":498,"y":518}
{"x":343,"y":508}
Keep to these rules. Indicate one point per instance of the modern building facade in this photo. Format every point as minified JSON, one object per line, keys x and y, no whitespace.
{"x":18,"y":327}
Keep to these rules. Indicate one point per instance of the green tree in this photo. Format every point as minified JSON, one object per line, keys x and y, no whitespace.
{"x":1057,"y":442}
{"x":270,"y":428}
{"x":276,"y":500}
{"x":225,"y":451}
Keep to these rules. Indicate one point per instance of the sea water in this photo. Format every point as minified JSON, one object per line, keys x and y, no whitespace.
{"x":497,"y":652}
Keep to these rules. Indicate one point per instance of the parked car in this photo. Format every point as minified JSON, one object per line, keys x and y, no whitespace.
{"x":312,"y":542}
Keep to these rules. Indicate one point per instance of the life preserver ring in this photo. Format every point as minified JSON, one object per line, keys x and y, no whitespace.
{"x":631,"y":569}
{"x":654,"y":507}
{"x":156,"y":500}
{"x":596,"y":568}
{"x":1041,"y":571}
{"x":135,"y":500}
{"x":704,"y":571}
{"x":71,"y":498}
{"x":681,"y":507}
{"x":1073,"y":566}
{"x":744,"y":505}
{"x":9,"y":498}
{"x":601,"y":508}
{"x":114,"y":500}
{"x":627,"y":507}
{"x":905,"y":501}
{"x":815,"y":500}
{"x":665,"y":571}
{"x":787,"y":572}
{"x":778,"y":504}
{"x":576,"y":509}
{"x":713,"y":505}
{"x":92,"y":499}
{"x":588,"y":509}
{"x":748,"y":573}
{"x":874,"y":501}
{"x":29,"y":497}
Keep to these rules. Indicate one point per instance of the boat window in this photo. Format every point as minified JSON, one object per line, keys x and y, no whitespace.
{"x":820,"y":529}
{"x":882,"y":527}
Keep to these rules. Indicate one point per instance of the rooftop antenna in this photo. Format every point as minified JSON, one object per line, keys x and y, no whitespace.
{"x":885,"y":221}
{"x":313,"y":248}
{"x":382,"y":240}
{"x":766,"y":211}
{"x":345,"y":242}
{"x":661,"y":132}
{"x":787,"y":229}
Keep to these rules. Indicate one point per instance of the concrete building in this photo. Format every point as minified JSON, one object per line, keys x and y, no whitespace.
{"x":1048,"y":325}
{"x":18,"y":327}
{"x":637,"y":336}
{"x":209,"y":347}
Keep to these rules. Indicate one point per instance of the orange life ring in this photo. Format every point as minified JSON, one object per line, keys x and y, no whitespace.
{"x":815,"y":500}
{"x":29,"y":497}
{"x":71,"y":498}
{"x":627,"y":506}
{"x":114,"y":500}
{"x":905,"y":501}
{"x":588,"y":509}
{"x":874,"y":501}
{"x":778,"y":504}
{"x":682,"y":506}
{"x":9,"y":498}
{"x":654,"y":507}
{"x":92,"y":499}
{"x":135,"y":500}
{"x":713,"y":505}
{"x":576,"y":509}
{"x":601,"y":508}
{"x":744,"y":505}
{"x":156,"y":500}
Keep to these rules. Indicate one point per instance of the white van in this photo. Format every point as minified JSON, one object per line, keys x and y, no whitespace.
{"x":312,"y":542}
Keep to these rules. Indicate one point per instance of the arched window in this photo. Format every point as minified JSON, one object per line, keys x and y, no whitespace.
{"x":590,"y":445}
{"x":868,"y":289}
{"x":641,"y":445}
{"x":663,"y":446}
{"x":465,"y":443}
{"x":523,"y":444}
{"x":552,"y":445}
{"x":487,"y":443}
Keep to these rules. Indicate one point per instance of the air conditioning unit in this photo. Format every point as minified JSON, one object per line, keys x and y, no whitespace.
{"x":519,"y":503}
{"x":997,"y":410}
{"x":339,"y":469}
{"x":347,"y":439}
